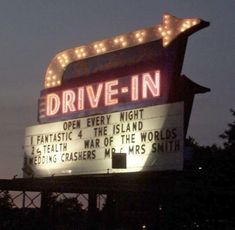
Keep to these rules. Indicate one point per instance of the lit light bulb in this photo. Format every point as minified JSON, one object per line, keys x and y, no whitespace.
{"x":166,"y":16}
{"x":165,"y":43}
{"x":124,"y":44}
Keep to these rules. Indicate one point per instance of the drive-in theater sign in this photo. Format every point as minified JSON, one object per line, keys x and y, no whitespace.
{"x":116,"y":105}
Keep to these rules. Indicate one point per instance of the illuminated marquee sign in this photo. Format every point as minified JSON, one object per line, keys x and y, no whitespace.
{"x":117,"y":71}
{"x":151,"y":138}
{"x":119,"y":97}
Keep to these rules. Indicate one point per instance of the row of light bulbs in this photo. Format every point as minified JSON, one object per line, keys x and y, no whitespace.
{"x":170,"y":28}
{"x":101,"y":47}
{"x":96,"y":48}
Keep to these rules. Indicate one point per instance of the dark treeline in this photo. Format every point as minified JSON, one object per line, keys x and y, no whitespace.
{"x":202,"y":196}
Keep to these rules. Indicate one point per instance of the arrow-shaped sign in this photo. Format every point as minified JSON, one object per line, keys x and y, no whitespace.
{"x":170,"y":29}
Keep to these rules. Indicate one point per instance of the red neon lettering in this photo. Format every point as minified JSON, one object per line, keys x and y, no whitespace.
{"x":80,"y":98}
{"x":149,"y":84}
{"x":139,"y":87}
{"x":94,"y":99}
{"x":52,"y":104}
{"x":109,"y":92}
{"x":134,"y":88}
{"x":68,"y":101}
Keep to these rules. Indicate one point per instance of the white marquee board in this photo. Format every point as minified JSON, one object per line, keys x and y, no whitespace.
{"x":151,"y":137}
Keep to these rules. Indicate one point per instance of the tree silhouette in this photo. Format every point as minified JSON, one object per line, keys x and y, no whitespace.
{"x":67,"y":211}
{"x":6,"y":206}
{"x":229,"y":135}
{"x":5,"y":200}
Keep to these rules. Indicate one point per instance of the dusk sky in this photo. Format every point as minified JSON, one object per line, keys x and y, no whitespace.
{"x":32,"y":32}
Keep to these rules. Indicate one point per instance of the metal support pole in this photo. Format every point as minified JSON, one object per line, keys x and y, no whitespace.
{"x":92,"y":211}
{"x":23,"y":200}
{"x":110,"y":211}
{"x":45,"y":207}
